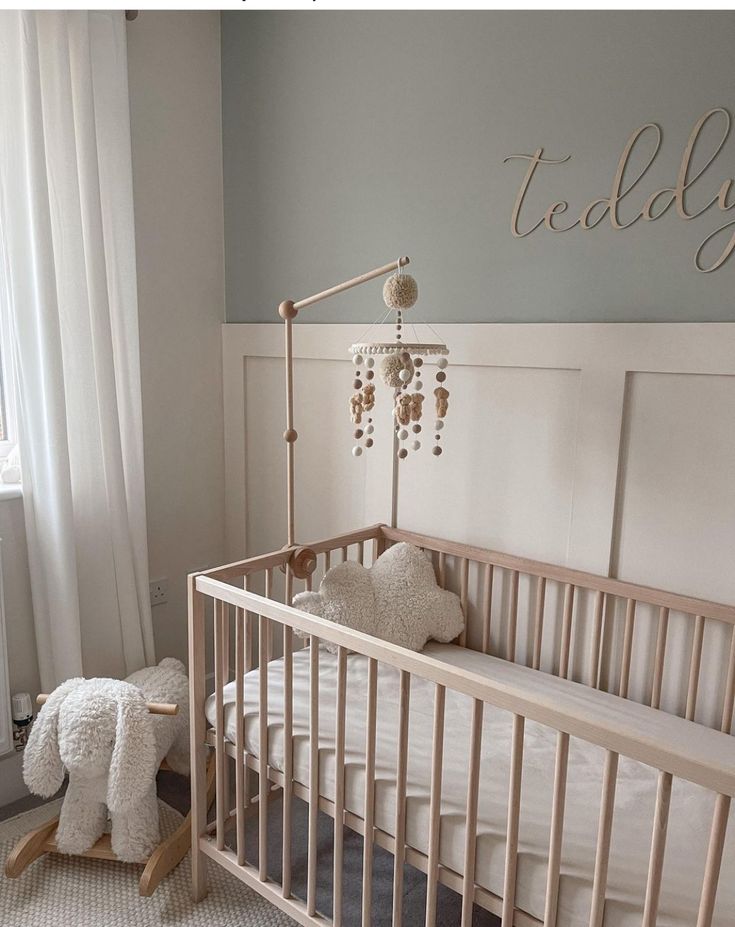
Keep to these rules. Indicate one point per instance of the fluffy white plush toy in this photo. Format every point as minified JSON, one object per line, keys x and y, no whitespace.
{"x":396,"y":599}
{"x":102,"y":734}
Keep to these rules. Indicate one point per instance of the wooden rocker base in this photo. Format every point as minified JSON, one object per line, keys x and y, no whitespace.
{"x":166,"y":857}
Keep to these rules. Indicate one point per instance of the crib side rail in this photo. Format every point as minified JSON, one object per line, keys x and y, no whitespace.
{"x":672,"y":745}
{"x":649,"y":645}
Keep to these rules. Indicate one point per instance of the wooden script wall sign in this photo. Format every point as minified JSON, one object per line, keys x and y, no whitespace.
{"x":719,"y":245}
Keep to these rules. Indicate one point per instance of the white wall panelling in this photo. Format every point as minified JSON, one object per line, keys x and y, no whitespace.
{"x":606,"y":447}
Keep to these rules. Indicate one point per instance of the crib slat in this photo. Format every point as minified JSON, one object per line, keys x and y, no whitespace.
{"x":327,"y":559}
{"x":602,"y":855}
{"x":263,"y":786}
{"x":313,"y":774}
{"x":344,"y":555}
{"x":240,"y":634}
{"x":463,"y":598}
{"x":660,"y":656}
{"x":694,"y":667}
{"x":401,"y":772}
{"x":538,"y":621}
{"x":487,"y":604}
{"x":269,"y":630}
{"x":593,"y":677}
{"x":287,"y":744}
{"x":714,"y":861}
{"x":566,"y":631}
{"x":437,"y":760}
{"x":658,"y":847}
{"x":361,"y":552}
{"x":514,"y":810}
{"x":557,"y":828}
{"x":219,"y":749}
{"x":249,"y":665}
{"x":729,"y":699}
{"x":370,"y":728}
{"x":470,"y":841}
{"x":339,"y":785}
{"x":442,"y":578}
{"x":627,"y":648}
{"x":512,"y":616}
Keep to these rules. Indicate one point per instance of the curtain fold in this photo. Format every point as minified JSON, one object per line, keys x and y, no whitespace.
{"x":69,"y":279}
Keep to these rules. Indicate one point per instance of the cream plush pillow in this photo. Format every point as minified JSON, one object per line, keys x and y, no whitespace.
{"x":397,"y":599}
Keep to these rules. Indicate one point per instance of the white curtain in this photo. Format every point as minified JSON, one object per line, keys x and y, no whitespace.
{"x":67,"y":268}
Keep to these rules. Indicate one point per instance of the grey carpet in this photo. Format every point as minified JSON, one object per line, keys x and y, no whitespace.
{"x":174,"y":790}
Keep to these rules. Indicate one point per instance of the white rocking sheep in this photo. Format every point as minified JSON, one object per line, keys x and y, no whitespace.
{"x":102,"y":733}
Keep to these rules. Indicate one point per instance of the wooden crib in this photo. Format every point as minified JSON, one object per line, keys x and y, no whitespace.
{"x":551,"y":626}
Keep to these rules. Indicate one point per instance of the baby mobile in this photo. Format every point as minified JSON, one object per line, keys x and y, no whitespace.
{"x":402,"y":369}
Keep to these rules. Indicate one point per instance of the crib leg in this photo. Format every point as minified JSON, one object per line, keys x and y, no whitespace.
{"x":197,"y":697}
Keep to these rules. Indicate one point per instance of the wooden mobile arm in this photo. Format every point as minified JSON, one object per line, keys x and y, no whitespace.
{"x":155,"y":708}
{"x":288,"y":310}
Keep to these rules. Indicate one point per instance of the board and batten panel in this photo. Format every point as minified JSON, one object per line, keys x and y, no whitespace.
{"x":676,"y":512}
{"x":603,"y":447}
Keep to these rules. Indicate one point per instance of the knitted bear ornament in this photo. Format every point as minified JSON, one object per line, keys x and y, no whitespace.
{"x":396,"y":599}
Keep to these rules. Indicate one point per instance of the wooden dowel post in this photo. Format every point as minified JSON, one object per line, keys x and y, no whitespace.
{"x":658,"y":847}
{"x":714,"y":861}
{"x":694,"y":666}
{"x":313,"y":775}
{"x":464,"y":598}
{"x":339,"y":786}
{"x":729,"y":698}
{"x":288,"y":310}
{"x":538,"y":622}
{"x":470,"y":841}
{"x":659,"y":657}
{"x":593,"y":676}
{"x":155,"y":708}
{"x":369,"y":819}
{"x":219,"y":749}
{"x":287,"y":743}
{"x":487,"y":606}
{"x":566,"y":631}
{"x":400,"y":819}
{"x":197,"y":721}
{"x":557,"y":828}
{"x":627,"y":648}
{"x":602,"y":855}
{"x":514,"y":811}
{"x":240,"y":632}
{"x":512,"y":616}
{"x":437,"y":760}
{"x":263,"y":783}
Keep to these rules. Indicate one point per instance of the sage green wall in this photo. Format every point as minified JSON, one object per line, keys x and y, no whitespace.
{"x":353,"y":137}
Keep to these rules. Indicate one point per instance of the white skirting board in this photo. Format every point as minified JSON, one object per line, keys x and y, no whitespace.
{"x":607,"y":447}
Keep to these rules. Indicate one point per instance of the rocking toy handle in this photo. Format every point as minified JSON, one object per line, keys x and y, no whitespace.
{"x":155,"y":708}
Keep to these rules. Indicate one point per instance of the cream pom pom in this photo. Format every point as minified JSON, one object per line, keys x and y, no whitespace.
{"x":400,"y":291}
{"x":392,"y":367}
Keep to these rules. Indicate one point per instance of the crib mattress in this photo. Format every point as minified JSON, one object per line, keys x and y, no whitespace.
{"x":689,"y":820}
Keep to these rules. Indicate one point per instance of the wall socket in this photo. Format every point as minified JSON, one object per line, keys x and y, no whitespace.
{"x":159,"y":591}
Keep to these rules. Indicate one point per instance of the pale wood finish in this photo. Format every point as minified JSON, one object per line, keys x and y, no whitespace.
{"x":313,"y":774}
{"x":197,"y":725}
{"x":287,"y":753}
{"x":401,"y":773}
{"x":557,"y":828}
{"x":514,"y":811}
{"x":658,"y":848}
{"x":437,"y":760}
{"x":660,"y":655}
{"x":263,"y":751}
{"x":464,"y":578}
{"x":370,"y":729}
{"x":155,"y":708}
{"x":714,"y":860}
{"x":240,"y":644}
{"x":675,"y":746}
{"x":219,"y":751}
{"x":602,"y":855}
{"x":339,"y":786}
{"x":470,"y":841}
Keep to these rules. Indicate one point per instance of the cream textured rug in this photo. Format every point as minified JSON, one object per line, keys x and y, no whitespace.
{"x":63,"y":891}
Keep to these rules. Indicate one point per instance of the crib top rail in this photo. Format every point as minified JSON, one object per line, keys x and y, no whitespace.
{"x":663,"y":741}
{"x":616,"y":587}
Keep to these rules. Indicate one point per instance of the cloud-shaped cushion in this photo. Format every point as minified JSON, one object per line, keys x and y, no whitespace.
{"x":397,"y":599}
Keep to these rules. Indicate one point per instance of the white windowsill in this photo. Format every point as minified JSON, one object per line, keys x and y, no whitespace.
{"x":10,"y":491}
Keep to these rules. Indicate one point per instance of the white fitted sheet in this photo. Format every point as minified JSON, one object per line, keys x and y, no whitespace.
{"x":689,"y":820}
